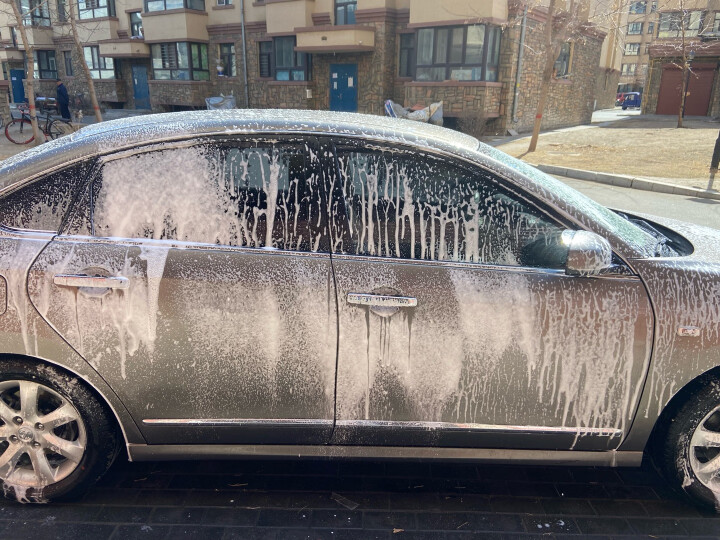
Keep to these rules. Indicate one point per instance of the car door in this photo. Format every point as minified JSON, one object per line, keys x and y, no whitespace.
{"x":195,"y":278}
{"x":458,"y":325}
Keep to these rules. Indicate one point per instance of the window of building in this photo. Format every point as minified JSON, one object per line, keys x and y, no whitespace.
{"x":100,"y":67}
{"x":562,"y":64}
{"x":290,"y":65}
{"x":62,"y":13}
{"x":182,"y":61}
{"x":265,"y":50}
{"x":653,"y":6}
{"x":136,"y":27}
{"x":67,"y":57}
{"x":345,"y":11}
{"x":647,"y":48}
{"x":716,"y":22}
{"x":164,"y":5}
{"x":226,"y":55}
{"x":651,"y":28}
{"x":93,"y":9}
{"x":635,"y":28}
{"x":461,"y":53}
{"x":632,"y":49}
{"x":406,"y":61}
{"x":638,"y":7}
{"x":45,"y":65}
{"x":672,"y":24}
{"x":224,"y":2}
{"x":628,"y":69}
{"x":35,"y":12}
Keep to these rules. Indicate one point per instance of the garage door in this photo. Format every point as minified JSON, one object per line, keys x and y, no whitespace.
{"x":699,"y":89}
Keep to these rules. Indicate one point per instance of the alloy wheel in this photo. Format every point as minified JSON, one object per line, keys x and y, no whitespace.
{"x":705,"y":451}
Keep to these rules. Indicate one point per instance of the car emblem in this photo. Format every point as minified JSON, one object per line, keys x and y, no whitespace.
{"x":688,"y":331}
{"x":25,"y":434}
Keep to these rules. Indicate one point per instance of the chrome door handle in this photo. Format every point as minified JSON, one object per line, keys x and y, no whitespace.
{"x":93,"y":282}
{"x":381,"y":300}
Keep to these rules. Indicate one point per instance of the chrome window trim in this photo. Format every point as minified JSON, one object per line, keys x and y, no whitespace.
{"x":237,"y":422}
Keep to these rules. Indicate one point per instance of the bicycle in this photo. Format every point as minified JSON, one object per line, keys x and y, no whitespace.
{"x":19,"y":130}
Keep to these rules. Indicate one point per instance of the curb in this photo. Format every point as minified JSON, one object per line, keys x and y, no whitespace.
{"x":627,"y":181}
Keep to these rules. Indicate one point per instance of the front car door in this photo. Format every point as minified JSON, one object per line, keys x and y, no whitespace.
{"x":458,"y":325}
{"x":196,"y":279}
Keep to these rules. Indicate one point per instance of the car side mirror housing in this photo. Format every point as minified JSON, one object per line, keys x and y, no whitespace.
{"x":588,"y":254}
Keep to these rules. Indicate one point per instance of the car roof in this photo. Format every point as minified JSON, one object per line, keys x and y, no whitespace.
{"x":114,"y":135}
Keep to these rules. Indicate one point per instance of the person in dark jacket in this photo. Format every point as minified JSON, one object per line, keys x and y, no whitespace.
{"x":63,"y":100}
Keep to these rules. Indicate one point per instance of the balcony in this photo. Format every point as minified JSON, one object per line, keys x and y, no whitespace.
{"x":40,"y":37}
{"x":124,"y":48}
{"x":175,"y":25}
{"x":97,"y":29}
{"x":431,"y":12}
{"x":346,"y":38}
{"x":283,"y":16}
{"x":11,"y":55}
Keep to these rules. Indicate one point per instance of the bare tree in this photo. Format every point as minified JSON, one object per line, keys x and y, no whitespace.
{"x":30,"y":57}
{"x":86,"y":70}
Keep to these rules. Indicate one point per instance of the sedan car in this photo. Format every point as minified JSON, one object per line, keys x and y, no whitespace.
{"x":292,"y":283}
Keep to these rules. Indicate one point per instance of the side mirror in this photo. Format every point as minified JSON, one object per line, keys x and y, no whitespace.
{"x":588,"y":254}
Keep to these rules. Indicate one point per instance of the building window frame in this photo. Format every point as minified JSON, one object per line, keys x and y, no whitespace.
{"x":716,"y":22}
{"x":345,"y":12}
{"x":224,"y":2}
{"x":632,"y":49}
{"x":444,"y":52}
{"x":638,"y":8}
{"x":45,"y":64}
{"x":166,"y":5}
{"x":180,"y":61}
{"x":406,"y":56}
{"x":288,"y":64}
{"x":95,"y":9}
{"x":671,"y":23}
{"x":226,"y":57}
{"x":628,"y":69}
{"x":67,"y":60}
{"x":265,"y":59}
{"x":62,"y":11}
{"x":634,"y":28}
{"x":651,"y":28}
{"x":35,"y":13}
{"x":136,"y":24}
{"x":101,"y":68}
{"x":563,"y":64}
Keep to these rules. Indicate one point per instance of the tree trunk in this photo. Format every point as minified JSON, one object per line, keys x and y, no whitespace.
{"x":685,"y":67}
{"x":86,"y":70}
{"x":30,"y":75}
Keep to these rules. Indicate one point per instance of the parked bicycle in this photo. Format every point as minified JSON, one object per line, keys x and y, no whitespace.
{"x":20,"y":131}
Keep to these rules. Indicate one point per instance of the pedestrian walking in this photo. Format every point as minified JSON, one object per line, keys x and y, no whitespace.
{"x":63,"y":100}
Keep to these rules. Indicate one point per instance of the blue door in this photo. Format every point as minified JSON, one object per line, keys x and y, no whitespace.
{"x":18,"y":90}
{"x":343,"y":87}
{"x":141,"y":90}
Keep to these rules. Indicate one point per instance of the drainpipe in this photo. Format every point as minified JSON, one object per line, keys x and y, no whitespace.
{"x":519,"y":66}
{"x":244,"y":47}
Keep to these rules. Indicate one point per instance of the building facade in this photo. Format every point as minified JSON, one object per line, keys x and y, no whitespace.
{"x":347,"y":55}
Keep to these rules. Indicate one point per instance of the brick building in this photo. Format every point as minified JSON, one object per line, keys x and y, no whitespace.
{"x":312,"y":54}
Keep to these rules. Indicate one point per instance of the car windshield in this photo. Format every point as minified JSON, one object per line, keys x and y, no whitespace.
{"x":626,"y":230}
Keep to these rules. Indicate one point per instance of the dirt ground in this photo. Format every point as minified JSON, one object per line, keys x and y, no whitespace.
{"x":650,"y":147}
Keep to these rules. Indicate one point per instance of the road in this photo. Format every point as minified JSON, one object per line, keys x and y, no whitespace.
{"x":695,"y":210}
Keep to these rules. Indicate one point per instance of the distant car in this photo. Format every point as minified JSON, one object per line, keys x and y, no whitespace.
{"x":619,"y":98}
{"x":297,"y":283}
{"x":632,"y":99}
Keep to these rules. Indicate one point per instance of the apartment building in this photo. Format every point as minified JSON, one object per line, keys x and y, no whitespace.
{"x":348,"y":55}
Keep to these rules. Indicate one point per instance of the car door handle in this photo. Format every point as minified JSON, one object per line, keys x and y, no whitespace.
{"x":381,"y":300}
{"x":94,"y":282}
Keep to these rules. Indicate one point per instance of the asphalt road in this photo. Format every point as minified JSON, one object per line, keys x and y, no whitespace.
{"x":695,"y":210}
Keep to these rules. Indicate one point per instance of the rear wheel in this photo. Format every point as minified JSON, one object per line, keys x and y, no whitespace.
{"x":56,"y":439}
{"x":691,"y":454}
{"x":19,"y":131}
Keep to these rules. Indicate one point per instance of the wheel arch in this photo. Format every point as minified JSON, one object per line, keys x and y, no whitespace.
{"x":123,"y":421}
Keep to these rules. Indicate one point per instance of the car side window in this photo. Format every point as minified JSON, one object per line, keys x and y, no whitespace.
{"x":414,"y":206}
{"x":260,"y":194}
{"x":42,"y":204}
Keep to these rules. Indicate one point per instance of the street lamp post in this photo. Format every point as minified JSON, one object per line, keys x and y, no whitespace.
{"x":690,"y":58}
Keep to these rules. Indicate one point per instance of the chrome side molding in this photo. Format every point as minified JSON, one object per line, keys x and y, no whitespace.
{"x":91,"y":282}
{"x":381,"y":300}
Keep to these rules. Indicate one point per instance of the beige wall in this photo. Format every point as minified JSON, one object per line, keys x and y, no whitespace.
{"x":433,"y":11}
{"x":96,"y":31}
{"x":284,"y":17}
{"x":181,"y":26}
{"x":341,"y":39}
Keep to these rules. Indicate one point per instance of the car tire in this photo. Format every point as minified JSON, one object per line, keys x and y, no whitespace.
{"x":56,"y":438}
{"x":691,"y":452}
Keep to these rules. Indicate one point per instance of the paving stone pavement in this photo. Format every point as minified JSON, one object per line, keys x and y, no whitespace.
{"x":362,"y":500}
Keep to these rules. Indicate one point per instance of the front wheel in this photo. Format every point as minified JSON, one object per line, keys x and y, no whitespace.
{"x":19,"y":131}
{"x":691,"y":454}
{"x":58,"y":129}
{"x":56,"y":439}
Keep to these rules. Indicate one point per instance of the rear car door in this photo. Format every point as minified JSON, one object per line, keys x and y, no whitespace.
{"x":195,"y":278}
{"x":458,"y":324}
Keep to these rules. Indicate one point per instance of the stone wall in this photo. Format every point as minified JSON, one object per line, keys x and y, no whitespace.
{"x":606,"y":83}
{"x":459,"y":99}
{"x":166,"y":95}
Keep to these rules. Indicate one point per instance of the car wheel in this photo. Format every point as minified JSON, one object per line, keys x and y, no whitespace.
{"x":56,"y":438}
{"x":691,"y":457}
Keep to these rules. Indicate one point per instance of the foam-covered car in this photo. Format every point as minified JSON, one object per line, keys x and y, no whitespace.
{"x":289,"y":283}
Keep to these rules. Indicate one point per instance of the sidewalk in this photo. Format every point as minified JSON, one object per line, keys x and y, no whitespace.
{"x":637,"y":146}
